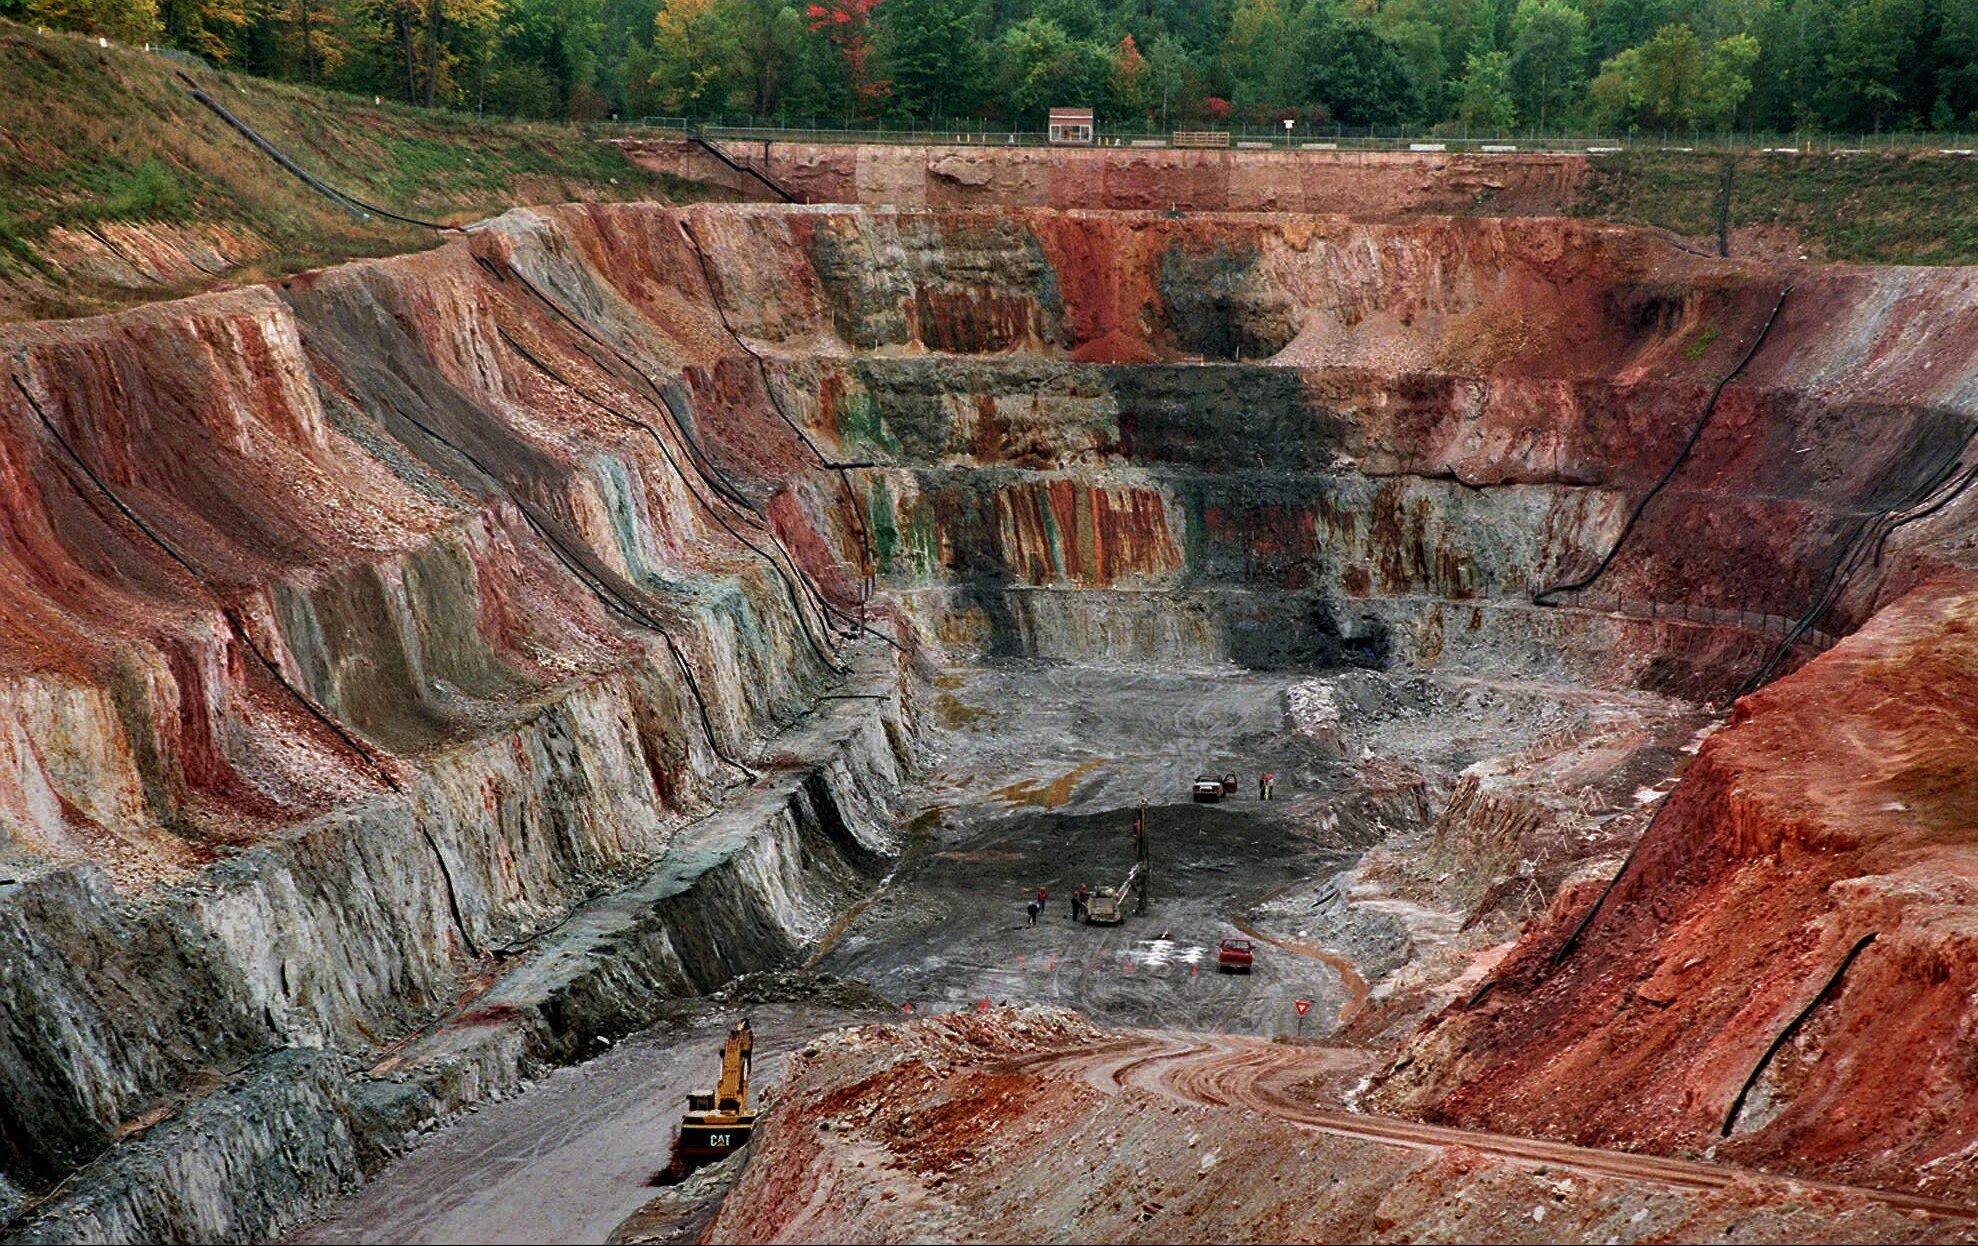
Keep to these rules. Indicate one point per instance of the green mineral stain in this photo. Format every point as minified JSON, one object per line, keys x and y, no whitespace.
{"x":1050,"y":296}
{"x":616,"y":491}
{"x":861,"y":426}
{"x":1705,"y":336}
{"x":1053,"y":539}
{"x":879,"y":517}
{"x":923,"y":542}
{"x":1196,"y":539}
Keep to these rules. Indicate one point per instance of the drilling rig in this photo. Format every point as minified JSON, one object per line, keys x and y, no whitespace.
{"x":1108,"y":905}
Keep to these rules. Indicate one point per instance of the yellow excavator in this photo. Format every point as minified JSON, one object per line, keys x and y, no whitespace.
{"x":721,"y":1123}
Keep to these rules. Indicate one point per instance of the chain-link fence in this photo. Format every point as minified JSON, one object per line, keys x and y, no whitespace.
{"x":1301,"y":138}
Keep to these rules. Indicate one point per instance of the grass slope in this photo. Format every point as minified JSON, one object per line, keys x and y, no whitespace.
{"x":1859,"y":207}
{"x":103,"y":158}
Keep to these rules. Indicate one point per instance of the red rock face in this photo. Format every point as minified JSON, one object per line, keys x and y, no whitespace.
{"x":416,"y":596}
{"x":1783,"y":970}
{"x":962,"y":176}
{"x":274,"y":487}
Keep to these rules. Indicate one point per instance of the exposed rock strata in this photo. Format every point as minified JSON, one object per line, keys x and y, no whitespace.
{"x":366,"y":626}
{"x":914,"y":175}
{"x":1783,"y":970}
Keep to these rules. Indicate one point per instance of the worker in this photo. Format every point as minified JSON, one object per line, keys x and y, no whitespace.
{"x":1270,"y":784}
{"x":1263,"y":786}
{"x":1043,"y":895}
{"x":1032,"y":908}
{"x":1078,"y":899}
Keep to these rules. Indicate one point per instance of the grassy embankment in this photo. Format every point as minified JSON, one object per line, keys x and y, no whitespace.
{"x":1862,"y":207}
{"x":110,"y":175}
{"x":115,"y":187}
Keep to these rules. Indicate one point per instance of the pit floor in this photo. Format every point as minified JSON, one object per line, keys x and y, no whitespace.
{"x":1044,"y":769}
{"x":1035,"y":774}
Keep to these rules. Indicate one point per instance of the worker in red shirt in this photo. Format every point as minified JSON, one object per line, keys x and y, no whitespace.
{"x":1043,"y":894}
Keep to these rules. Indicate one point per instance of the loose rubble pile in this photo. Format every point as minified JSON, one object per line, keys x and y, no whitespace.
{"x":945,"y":1130}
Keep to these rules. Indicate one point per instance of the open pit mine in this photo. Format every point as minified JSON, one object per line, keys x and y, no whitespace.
{"x":441,"y":697}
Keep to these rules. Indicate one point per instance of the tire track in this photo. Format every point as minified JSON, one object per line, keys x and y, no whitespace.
{"x":1357,"y":991}
{"x":1229,"y":1070}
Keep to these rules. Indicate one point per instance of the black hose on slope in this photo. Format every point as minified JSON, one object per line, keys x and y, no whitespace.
{"x":308,"y":179}
{"x":227,"y":612}
{"x":1543,"y":596}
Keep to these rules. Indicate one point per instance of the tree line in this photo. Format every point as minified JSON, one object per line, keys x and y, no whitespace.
{"x":1481,"y":65}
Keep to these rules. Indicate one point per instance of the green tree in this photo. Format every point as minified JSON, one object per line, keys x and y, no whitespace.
{"x":560,"y":37}
{"x":1957,"y":59}
{"x":1422,"y":45}
{"x":638,"y":98}
{"x":1726,"y":81}
{"x":130,"y":21}
{"x":1789,"y":80}
{"x":1041,"y":67}
{"x":1360,"y":75}
{"x":1485,"y":99}
{"x":1547,"y":63}
{"x":1083,"y":21}
{"x":1263,"y":57}
{"x":1871,"y":63}
{"x":932,"y":50}
{"x":1481,"y":26}
{"x":312,"y":37}
{"x":207,"y":27}
{"x":1617,"y":25}
{"x":1674,"y":81}
{"x":1168,"y":65}
{"x":687,"y":55}
{"x":758,"y":41}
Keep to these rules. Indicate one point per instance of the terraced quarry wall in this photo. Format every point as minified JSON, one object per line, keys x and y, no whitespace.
{"x":1307,"y":441}
{"x":939,"y":175}
{"x":367,"y":624}
{"x":360,"y":628}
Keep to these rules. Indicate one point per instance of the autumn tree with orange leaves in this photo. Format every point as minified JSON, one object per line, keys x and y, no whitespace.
{"x":848,"y":25}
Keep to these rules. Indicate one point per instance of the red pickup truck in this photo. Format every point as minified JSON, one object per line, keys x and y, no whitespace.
{"x":1234,"y":956}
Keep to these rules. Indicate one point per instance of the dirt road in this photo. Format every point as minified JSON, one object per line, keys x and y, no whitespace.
{"x":1243,"y":1071}
{"x":573,"y":1157}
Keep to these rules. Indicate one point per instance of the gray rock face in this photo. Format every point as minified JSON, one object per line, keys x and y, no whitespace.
{"x":472,"y":703}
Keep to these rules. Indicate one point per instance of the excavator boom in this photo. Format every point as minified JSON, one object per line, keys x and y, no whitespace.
{"x":720,"y":1123}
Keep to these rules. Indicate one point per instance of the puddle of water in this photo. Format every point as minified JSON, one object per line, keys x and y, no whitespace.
{"x":1050,"y":795}
{"x":955,"y":714}
{"x":1154,"y":953}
